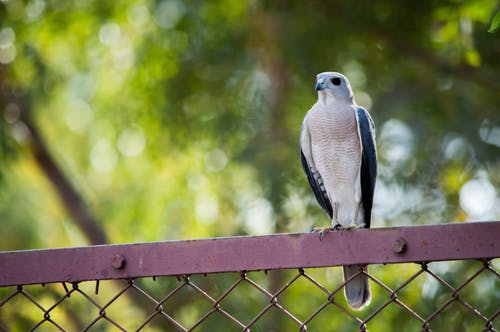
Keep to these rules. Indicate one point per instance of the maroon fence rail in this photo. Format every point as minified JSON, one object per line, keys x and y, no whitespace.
{"x":291,"y":259}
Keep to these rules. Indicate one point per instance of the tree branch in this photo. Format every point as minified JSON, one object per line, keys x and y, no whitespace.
{"x":72,"y":201}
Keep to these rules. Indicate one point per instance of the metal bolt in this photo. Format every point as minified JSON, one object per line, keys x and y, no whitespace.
{"x":119,"y":262}
{"x":399,"y":246}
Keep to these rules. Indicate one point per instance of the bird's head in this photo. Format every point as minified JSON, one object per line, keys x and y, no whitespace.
{"x":332,"y":84}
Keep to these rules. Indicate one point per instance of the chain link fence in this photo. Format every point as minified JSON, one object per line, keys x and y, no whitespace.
{"x":429,"y":295}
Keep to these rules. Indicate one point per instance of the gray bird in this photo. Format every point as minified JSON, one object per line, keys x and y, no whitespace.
{"x":339,"y":157}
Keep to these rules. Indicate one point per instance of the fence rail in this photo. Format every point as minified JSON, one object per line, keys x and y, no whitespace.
{"x":205,"y":275}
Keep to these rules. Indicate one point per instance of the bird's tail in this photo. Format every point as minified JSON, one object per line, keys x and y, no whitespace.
{"x":357,"y":290}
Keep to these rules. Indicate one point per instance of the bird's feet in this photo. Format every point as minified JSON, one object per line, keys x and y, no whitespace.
{"x":323,"y":230}
{"x":337,"y":227}
{"x":350,"y":227}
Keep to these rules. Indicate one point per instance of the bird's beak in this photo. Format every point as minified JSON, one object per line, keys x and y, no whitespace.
{"x":320,"y":85}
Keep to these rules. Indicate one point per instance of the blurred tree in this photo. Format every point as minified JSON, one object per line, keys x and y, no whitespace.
{"x":184,"y":117}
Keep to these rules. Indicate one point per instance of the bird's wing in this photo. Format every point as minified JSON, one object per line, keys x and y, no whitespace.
{"x":313,"y":176}
{"x":366,"y":130}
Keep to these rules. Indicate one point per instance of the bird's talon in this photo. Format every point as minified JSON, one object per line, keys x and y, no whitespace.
{"x":321,"y":231}
{"x":337,"y":227}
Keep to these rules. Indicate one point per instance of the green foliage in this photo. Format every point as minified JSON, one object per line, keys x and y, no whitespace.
{"x":495,"y":23}
{"x":179,"y":120}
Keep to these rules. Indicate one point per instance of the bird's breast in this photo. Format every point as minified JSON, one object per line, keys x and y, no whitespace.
{"x":335,"y":146}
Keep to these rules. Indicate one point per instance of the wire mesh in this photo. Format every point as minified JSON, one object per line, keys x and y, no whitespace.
{"x":437,"y":296}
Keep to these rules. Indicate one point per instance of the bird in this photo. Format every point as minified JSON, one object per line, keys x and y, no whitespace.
{"x":339,"y":157}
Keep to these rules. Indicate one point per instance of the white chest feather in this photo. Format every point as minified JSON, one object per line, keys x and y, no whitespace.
{"x":336,"y":152}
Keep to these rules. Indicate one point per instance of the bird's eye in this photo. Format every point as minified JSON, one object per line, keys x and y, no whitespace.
{"x":336,"y":81}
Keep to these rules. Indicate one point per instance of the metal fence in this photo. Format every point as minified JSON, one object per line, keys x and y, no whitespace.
{"x":439,"y":278}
